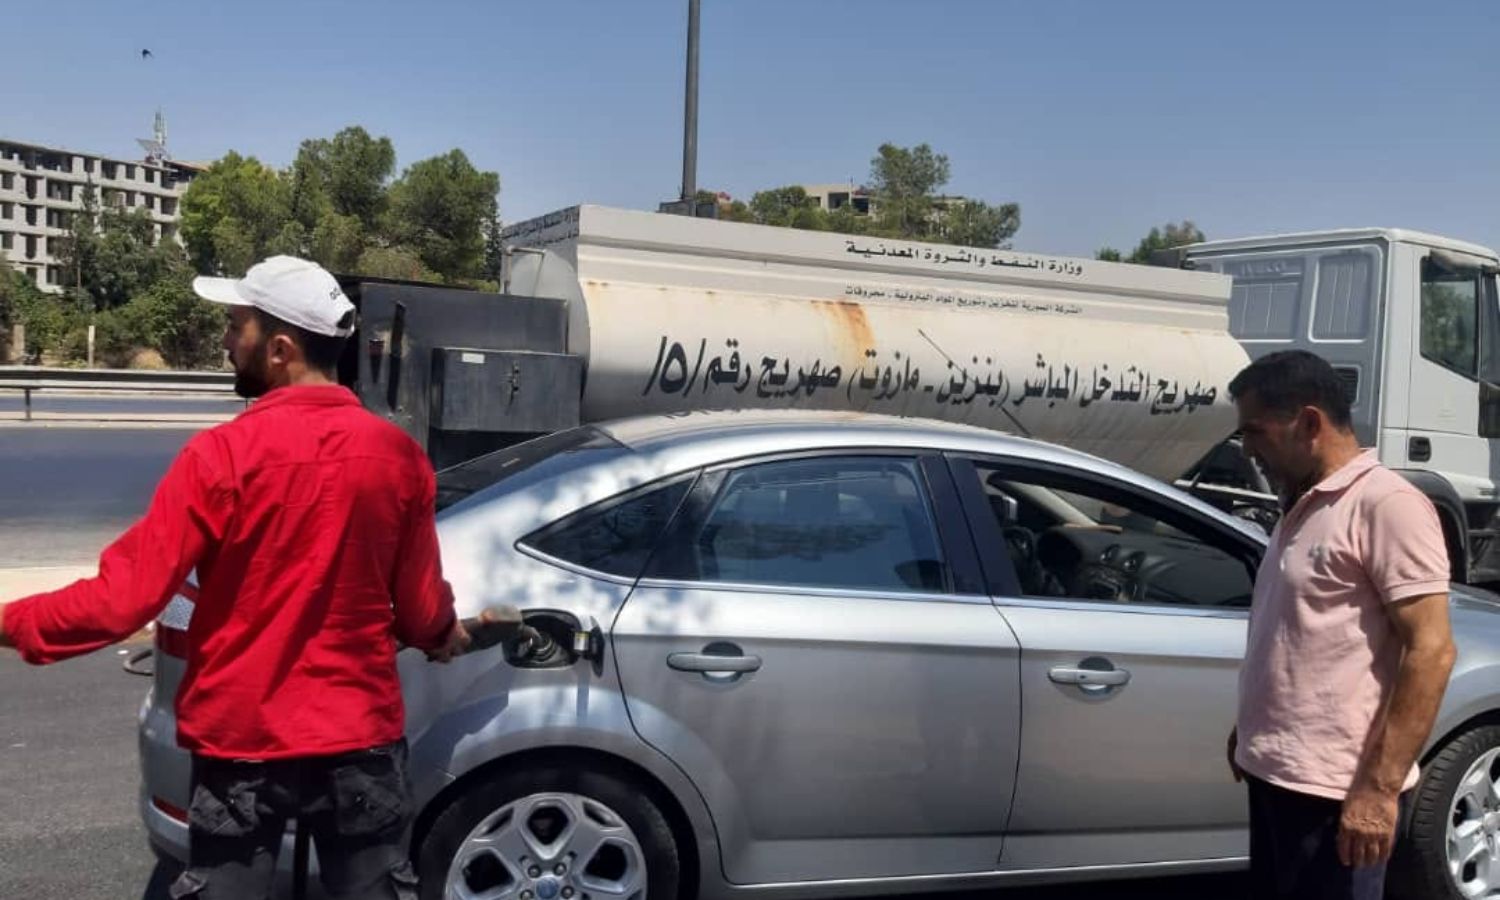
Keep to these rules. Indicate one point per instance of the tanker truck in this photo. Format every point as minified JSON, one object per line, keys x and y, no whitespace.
{"x":1411,"y":322}
{"x":607,"y":313}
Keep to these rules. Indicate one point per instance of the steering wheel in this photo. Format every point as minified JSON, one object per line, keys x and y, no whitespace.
{"x":1098,"y":581}
{"x":1036,"y":579}
{"x":1021,"y":544}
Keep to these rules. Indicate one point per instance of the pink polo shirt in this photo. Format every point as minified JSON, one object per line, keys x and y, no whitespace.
{"x":1322,"y":654}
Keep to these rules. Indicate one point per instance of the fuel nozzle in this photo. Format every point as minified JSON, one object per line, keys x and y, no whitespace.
{"x":536,"y":639}
{"x":503,"y":624}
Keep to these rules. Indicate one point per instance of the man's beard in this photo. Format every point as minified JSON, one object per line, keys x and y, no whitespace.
{"x":1289,"y":489}
{"x":251,"y":381}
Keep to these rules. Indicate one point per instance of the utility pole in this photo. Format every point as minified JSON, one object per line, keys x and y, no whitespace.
{"x":690,"y":110}
{"x":686,"y":203}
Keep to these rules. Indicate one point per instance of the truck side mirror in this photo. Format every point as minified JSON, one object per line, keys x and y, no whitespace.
{"x":1489,"y":410}
{"x":1489,"y":354}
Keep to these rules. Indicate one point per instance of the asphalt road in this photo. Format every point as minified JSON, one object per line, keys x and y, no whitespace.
{"x":68,"y":778}
{"x":66,"y":492}
{"x":45,"y":401}
{"x":68,"y":825}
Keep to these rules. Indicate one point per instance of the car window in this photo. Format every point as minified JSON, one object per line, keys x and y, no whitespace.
{"x":863,"y":523}
{"x":615,"y":536}
{"x":459,"y":482}
{"x":1071,"y":539}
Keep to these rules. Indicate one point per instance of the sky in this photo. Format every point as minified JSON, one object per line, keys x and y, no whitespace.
{"x":1101,"y":118}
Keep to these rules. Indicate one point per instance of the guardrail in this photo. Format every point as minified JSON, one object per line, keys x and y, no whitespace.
{"x":29,"y":379}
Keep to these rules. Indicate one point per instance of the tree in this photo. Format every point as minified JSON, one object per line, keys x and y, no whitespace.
{"x":394,"y":262}
{"x":130,"y":258}
{"x":728,"y":210}
{"x":350,"y":172}
{"x":737,"y":211}
{"x":903,"y":182}
{"x":50,"y":320}
{"x":233,"y":214}
{"x":291,"y":240}
{"x":1164,"y":238}
{"x":336,"y":204}
{"x":904,"y":185}
{"x":439,"y":208}
{"x":494,"y":248}
{"x":337,"y":242}
{"x":171,"y":319}
{"x":337,"y":193}
{"x":974,"y":223}
{"x":110,"y":254}
{"x":847,"y":220}
{"x":13,"y":285}
{"x":79,"y":254}
{"x":788,"y":207}
{"x":8,"y":276}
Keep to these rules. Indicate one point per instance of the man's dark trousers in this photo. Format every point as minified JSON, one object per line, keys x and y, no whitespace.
{"x":356,"y":806}
{"x":1294,"y":852}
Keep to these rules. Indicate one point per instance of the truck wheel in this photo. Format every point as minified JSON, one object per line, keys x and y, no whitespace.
{"x":550,"y":833}
{"x":1452,"y":842}
{"x":1458,"y":552}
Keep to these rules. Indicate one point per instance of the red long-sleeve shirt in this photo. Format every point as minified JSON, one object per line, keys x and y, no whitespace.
{"x":310,"y":523}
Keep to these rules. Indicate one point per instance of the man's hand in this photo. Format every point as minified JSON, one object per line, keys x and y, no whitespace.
{"x":1234,"y":767}
{"x":457,"y":642}
{"x":1367,"y":827}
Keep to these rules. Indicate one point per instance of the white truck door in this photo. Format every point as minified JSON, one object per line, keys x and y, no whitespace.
{"x":1452,"y":313}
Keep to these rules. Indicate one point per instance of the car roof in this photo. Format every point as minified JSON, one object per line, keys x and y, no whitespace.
{"x":729,"y":434}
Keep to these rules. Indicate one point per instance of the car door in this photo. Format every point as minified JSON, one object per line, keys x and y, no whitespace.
{"x":1130,"y":607}
{"x":813,"y":645}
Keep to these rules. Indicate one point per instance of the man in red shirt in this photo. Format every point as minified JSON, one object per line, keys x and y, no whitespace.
{"x":310,"y":523}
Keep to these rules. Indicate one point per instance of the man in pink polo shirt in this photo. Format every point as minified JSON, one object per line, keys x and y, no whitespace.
{"x":1349,"y":646}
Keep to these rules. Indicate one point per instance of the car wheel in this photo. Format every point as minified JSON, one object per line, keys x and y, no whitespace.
{"x":1452,"y":846}
{"x":550,"y":833}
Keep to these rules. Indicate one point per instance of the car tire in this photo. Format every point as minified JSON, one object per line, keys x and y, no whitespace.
{"x":599,"y":794}
{"x":1419,"y":867}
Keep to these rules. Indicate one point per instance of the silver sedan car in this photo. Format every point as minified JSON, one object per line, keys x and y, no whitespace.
{"x":821,"y":655}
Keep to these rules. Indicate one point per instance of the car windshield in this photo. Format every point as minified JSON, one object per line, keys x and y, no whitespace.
{"x":1044,"y":507}
{"x":460,"y":482}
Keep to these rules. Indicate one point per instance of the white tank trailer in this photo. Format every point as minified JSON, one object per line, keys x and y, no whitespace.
{"x":670,"y":314}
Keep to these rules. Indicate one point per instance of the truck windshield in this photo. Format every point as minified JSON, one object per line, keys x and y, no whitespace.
{"x":463,"y":480}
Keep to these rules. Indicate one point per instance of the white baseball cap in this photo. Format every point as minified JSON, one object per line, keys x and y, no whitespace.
{"x":293,"y":290}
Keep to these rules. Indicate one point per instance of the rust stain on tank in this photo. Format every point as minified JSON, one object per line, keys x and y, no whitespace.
{"x":851,"y":329}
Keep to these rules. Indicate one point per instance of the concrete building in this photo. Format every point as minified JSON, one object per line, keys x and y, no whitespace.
{"x":830,"y":197}
{"x":41,"y":187}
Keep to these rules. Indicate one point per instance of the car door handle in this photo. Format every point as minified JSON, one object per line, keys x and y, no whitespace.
{"x":1089,"y":678}
{"x":713,"y":663}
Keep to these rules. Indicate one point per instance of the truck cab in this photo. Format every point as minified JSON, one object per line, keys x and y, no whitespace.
{"x":1411,"y":323}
